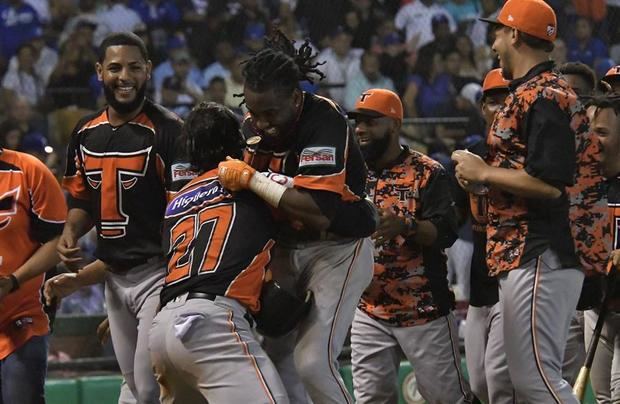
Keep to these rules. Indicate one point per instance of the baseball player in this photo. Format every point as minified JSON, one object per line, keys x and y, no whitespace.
{"x":483,"y":323}
{"x":605,"y":370}
{"x":32,"y":214}
{"x":307,"y":137}
{"x":218,"y":245}
{"x":612,"y":77}
{"x":121,"y":163}
{"x":408,"y":303}
{"x":531,"y":247}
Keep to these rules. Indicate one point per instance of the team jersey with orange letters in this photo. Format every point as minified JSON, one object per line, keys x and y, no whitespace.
{"x":123,"y":177}
{"x":32,"y":212}
{"x":410,"y":285}
{"x":543,"y":129}
{"x":217,"y":242}
{"x":320,"y":153}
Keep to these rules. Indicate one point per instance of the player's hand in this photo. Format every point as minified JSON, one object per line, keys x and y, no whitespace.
{"x":60,"y":286}
{"x":235,"y":174}
{"x":5,"y":286}
{"x":470,"y":168}
{"x":390,"y":226}
{"x":103,"y":331}
{"x":69,"y":251}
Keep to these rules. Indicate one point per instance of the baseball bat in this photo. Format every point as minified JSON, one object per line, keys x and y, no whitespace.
{"x":579,"y":389}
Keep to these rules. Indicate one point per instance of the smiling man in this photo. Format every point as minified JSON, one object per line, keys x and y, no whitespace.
{"x":534,"y":243}
{"x":120,"y":168}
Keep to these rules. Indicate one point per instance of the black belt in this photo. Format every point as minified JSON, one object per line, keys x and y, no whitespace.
{"x":201,"y":295}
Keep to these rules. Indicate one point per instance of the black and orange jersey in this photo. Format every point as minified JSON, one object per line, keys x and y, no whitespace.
{"x":217,"y":242}
{"x":320,"y":153}
{"x":542,"y":129}
{"x":614,"y":210}
{"x":410,"y":284}
{"x":123,"y":177}
{"x":32,"y":212}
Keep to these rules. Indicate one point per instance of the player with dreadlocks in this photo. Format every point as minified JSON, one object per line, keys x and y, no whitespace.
{"x":323,"y":244}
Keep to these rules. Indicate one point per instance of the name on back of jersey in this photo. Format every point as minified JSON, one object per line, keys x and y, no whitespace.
{"x":206,"y":193}
{"x":317,"y":156}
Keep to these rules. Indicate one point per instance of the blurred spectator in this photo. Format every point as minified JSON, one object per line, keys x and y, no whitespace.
{"x":22,"y":77}
{"x":204,"y":24}
{"x":319,"y":17}
{"x":341,"y":62}
{"x":224,"y":57}
{"x":10,"y":135}
{"x":69,"y":84}
{"x":37,"y":145}
{"x":176,"y":44}
{"x":179,"y":93}
{"x":613,"y":16}
{"x":479,"y":29}
{"x":45,"y":57}
{"x":583,"y":47}
{"x":87,"y":15}
{"x":248,"y":12}
{"x":19,"y":23}
{"x":161,"y":17}
{"x":443,"y":40}
{"x":430,"y":91}
{"x":22,"y":115}
{"x":116,"y":17}
{"x":593,"y":10}
{"x":368,"y":77}
{"x":464,"y":12}
{"x":362,"y":19}
{"x":234,"y":85}
{"x":393,"y":60}
{"x":559,"y":54}
{"x":453,"y":61}
{"x":254,"y":37}
{"x":42,"y":7}
{"x":468,"y":66}
{"x":415,"y":19}
{"x":216,"y":90}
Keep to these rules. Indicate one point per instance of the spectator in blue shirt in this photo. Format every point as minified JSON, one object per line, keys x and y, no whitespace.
{"x":583,"y":47}
{"x":157,"y":13}
{"x":19,"y":23}
{"x":430,"y":90}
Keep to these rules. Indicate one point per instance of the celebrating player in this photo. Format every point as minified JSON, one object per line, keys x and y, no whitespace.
{"x":322,"y":246}
{"x":407,"y":304}
{"x":530,"y":163}
{"x":218,"y":245}
{"x":32,"y":213}
{"x":120,"y":167}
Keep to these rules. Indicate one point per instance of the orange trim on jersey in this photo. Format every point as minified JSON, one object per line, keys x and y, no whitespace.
{"x":143,"y":120}
{"x":251,"y":357}
{"x":99,"y":120}
{"x":246,"y":286}
{"x":333,"y":182}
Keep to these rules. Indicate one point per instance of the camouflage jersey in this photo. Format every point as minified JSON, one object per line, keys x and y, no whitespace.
{"x":543,"y":129}
{"x":409,"y":285}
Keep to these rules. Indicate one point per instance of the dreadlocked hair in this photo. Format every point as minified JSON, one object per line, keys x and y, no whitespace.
{"x":280,"y":66}
{"x":211,"y":132}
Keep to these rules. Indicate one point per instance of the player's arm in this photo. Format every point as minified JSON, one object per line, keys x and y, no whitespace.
{"x":64,"y":284}
{"x":550,"y":161}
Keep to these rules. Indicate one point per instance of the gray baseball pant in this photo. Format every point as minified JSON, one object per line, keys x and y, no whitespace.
{"x":205,"y":351}
{"x":537,"y":302}
{"x":431,"y":348}
{"x":575,"y":352}
{"x":337,"y":272}
{"x":605,"y":370}
{"x":131,"y":300}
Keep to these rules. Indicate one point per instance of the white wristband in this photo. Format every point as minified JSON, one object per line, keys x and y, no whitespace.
{"x":267,"y":189}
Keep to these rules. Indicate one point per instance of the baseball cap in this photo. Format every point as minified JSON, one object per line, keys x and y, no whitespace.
{"x":614,"y":71}
{"x":533,"y":17}
{"x":494,"y":81}
{"x":378,"y":102}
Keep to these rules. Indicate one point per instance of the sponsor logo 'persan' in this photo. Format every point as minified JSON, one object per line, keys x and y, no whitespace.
{"x":317,"y":156}
{"x":182,"y":171}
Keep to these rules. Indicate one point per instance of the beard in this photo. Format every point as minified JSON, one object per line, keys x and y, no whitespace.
{"x":375,"y":149}
{"x":124,"y":107}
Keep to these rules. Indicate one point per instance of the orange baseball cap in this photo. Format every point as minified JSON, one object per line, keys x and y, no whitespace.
{"x":378,"y":102}
{"x":534,"y":17}
{"x":494,"y":81}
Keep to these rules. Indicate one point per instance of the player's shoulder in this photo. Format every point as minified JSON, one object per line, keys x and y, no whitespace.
{"x":91,"y":121}
{"x":160,"y":116}
{"x":320,"y":109}
{"x":419,"y":160}
{"x":21,"y":161}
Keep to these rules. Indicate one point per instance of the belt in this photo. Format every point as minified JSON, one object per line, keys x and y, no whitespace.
{"x":201,"y":295}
